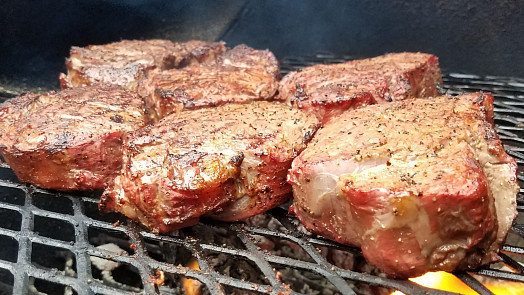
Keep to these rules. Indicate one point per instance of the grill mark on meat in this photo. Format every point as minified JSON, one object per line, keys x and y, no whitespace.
{"x":309,"y":135}
{"x":176,"y":95}
{"x":62,"y":141}
{"x":300,"y":94}
{"x":237,"y":159}
{"x":188,"y":159}
{"x":257,"y":139}
{"x":117,"y":119}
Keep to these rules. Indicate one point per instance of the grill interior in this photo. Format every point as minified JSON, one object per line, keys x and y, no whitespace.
{"x":58,"y":243}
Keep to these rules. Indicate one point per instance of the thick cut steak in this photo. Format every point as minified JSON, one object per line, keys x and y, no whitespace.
{"x":71,"y":139}
{"x":124,"y":63}
{"x":230,"y":161}
{"x":328,"y":90}
{"x":241,"y":75}
{"x":420,"y":185}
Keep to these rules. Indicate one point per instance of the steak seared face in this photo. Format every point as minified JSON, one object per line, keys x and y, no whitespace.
{"x":70,"y":140}
{"x":124,"y":63}
{"x":420,"y":185}
{"x":240,"y":75}
{"x":328,"y":90}
{"x":230,"y":161}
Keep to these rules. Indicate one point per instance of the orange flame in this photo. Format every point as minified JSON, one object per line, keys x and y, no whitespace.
{"x":192,"y":287}
{"x":447,"y":282}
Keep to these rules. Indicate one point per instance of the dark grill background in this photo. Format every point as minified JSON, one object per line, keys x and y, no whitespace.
{"x":49,"y":239}
{"x":481,"y":36}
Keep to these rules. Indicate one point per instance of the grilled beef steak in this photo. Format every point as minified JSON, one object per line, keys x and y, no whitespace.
{"x":328,"y":90}
{"x":231,"y":160}
{"x":420,"y":185}
{"x":71,"y":139}
{"x":124,"y":63}
{"x":241,"y":75}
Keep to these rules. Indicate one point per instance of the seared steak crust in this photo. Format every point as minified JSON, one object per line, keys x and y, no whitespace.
{"x":231,"y":160}
{"x":125,"y":63}
{"x":241,"y":75}
{"x":420,"y":185}
{"x":328,"y":90}
{"x":71,"y":139}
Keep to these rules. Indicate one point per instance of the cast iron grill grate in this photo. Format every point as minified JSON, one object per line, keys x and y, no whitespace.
{"x":58,"y":243}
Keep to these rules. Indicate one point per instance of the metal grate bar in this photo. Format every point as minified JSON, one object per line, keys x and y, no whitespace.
{"x":501,"y":275}
{"x":84,"y":273}
{"x":473,"y":283}
{"x":260,"y":259}
{"x":513,"y":249}
{"x":24,"y":251}
{"x":514,"y":265}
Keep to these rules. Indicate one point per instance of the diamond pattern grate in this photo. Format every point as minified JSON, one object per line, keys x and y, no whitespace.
{"x":58,"y":243}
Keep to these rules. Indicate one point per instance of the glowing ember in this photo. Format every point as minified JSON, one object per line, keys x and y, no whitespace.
{"x":447,"y":282}
{"x":159,"y":278}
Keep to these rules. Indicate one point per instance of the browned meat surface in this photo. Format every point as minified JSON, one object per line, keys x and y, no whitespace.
{"x":230,"y":161}
{"x":125,"y":63}
{"x":241,"y":75}
{"x":71,"y":139}
{"x":420,"y":185}
{"x":328,"y":90}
